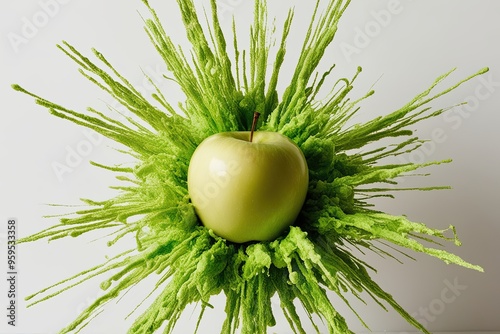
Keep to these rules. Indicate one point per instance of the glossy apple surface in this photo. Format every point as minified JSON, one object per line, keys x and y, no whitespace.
{"x":248,"y":191}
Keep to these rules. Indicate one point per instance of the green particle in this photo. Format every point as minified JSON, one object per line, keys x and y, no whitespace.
{"x":222,"y":93}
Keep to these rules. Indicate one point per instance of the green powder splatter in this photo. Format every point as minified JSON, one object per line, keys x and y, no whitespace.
{"x":222,"y":94}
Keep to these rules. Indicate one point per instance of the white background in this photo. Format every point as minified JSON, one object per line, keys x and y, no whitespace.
{"x":403,"y":52}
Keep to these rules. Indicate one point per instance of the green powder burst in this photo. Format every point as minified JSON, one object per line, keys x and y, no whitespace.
{"x":222,"y":93}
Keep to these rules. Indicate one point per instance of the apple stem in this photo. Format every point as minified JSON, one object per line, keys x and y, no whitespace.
{"x":256,"y":116}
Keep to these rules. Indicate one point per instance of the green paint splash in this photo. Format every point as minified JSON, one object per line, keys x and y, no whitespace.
{"x":222,"y":94}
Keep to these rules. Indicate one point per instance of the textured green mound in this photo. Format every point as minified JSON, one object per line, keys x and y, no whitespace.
{"x":222,"y":94}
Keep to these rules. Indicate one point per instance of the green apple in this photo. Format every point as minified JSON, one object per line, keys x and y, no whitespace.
{"x":248,"y":189}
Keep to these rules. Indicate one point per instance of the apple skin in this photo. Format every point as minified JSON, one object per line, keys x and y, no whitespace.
{"x":248,"y":191}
